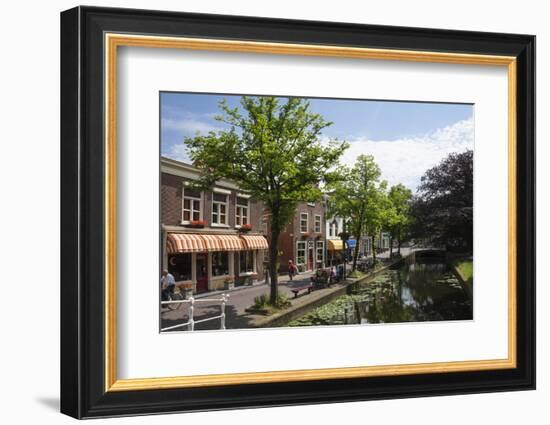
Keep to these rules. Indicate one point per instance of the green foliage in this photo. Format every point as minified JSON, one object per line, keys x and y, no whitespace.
{"x":356,"y":274}
{"x":466,"y":270}
{"x":443,"y":208}
{"x":358,"y":195}
{"x":282,"y":301}
{"x":260,"y":301}
{"x":398,"y":217}
{"x":273,"y":151}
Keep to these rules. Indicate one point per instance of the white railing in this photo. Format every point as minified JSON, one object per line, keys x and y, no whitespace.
{"x":192,"y":322}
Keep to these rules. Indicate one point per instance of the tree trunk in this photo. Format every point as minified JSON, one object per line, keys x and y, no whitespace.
{"x":355,"y":255}
{"x":273,"y":272}
{"x":399,"y":240}
{"x":373,"y":250}
{"x":391,"y":247}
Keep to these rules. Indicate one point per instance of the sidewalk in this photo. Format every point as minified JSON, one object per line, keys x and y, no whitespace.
{"x":239,"y":299}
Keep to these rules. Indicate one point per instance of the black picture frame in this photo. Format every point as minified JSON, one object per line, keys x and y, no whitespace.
{"x":83,"y":392}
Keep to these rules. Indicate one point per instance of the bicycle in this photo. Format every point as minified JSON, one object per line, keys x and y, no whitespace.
{"x":174,"y":295}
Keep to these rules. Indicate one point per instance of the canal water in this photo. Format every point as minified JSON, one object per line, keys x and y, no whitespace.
{"x":415,"y":290}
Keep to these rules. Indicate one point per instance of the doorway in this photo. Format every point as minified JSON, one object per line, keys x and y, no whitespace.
{"x":202,"y":273}
{"x":310,"y":258}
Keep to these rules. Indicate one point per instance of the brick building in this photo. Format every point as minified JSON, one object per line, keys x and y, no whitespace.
{"x":304,"y":239}
{"x":209,"y":237}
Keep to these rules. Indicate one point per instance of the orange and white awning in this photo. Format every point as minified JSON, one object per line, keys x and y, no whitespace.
{"x":223,"y":243}
{"x":183,"y":242}
{"x":191,"y":242}
{"x":255,"y":241}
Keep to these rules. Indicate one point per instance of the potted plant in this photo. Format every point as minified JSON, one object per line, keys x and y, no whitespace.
{"x":187,"y":290}
{"x":245,"y":227}
{"x":229,"y":283}
{"x":197,"y":224}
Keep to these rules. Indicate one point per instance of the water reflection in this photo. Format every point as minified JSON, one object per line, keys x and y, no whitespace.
{"x":425,"y":290}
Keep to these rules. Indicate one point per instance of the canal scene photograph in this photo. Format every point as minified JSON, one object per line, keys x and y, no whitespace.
{"x":286,"y":212}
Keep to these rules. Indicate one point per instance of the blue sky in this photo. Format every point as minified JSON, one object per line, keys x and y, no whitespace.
{"x":406,"y":138}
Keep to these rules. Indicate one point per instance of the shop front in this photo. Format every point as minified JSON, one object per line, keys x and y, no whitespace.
{"x":209,"y":262}
{"x":335,"y":251}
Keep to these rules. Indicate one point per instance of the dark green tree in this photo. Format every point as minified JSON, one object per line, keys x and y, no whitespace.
{"x":273,"y":151}
{"x":443,"y":206}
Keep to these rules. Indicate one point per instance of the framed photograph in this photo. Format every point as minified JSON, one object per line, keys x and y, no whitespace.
{"x":261,"y":212}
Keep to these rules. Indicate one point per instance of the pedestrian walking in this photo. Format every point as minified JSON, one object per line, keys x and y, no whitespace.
{"x":333,"y":277}
{"x":292,"y":269}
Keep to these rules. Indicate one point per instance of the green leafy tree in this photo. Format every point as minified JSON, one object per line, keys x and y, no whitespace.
{"x":400,"y":205}
{"x":443,"y":206}
{"x":356,"y":195}
{"x":379,"y":215}
{"x":273,"y":152}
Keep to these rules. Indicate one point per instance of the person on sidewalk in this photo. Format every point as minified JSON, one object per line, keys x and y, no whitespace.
{"x":292,"y":270}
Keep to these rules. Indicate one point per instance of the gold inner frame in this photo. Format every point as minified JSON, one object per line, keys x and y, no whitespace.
{"x":113,"y":41}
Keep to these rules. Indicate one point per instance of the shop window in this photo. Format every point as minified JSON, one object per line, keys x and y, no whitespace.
{"x":246,"y":262}
{"x":179,"y":265}
{"x":220,"y":263}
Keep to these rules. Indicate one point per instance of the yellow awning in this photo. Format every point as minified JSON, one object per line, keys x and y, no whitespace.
{"x":335,"y":245}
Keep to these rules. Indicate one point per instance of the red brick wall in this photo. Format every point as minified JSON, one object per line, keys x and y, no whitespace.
{"x":287,"y":239}
{"x":171,"y":204}
{"x":170,"y":199}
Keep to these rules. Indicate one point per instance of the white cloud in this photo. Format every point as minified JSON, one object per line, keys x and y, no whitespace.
{"x":178,"y":152}
{"x":188,"y":126}
{"x":406,"y":160}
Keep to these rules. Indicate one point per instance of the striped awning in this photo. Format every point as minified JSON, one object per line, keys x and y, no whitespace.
{"x":255,"y":241}
{"x":223,"y":243}
{"x":335,"y":244}
{"x":183,"y":242}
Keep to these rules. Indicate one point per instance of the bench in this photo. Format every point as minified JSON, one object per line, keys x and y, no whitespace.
{"x":298,"y":289}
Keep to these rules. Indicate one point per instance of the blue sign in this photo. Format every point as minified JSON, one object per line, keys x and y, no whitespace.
{"x":351,"y":243}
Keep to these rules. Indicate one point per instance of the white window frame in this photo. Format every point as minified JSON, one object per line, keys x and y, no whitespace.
{"x":239,"y":216}
{"x":253,"y":263}
{"x":317,"y":216}
{"x":320,"y":245}
{"x":298,"y":243}
{"x":226,"y":203}
{"x":307,"y":222}
{"x":191,"y":210}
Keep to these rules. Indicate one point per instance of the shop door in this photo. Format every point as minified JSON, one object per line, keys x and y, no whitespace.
{"x":202,"y":273}
{"x":310,"y":259}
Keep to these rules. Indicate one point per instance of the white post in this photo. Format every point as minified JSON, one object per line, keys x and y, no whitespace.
{"x":231,"y":259}
{"x":194,"y":270}
{"x":222,"y":325}
{"x":191,"y":325}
